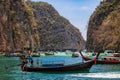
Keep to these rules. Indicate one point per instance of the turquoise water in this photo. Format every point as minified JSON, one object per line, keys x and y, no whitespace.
{"x":9,"y":70}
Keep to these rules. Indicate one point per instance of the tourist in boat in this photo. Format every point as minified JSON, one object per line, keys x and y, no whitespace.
{"x":24,"y":59}
{"x":30,"y":58}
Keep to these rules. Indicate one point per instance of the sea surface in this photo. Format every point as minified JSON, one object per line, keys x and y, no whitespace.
{"x":10,"y":70}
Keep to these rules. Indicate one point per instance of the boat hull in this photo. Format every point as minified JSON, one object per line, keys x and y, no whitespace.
{"x":73,"y":67}
{"x":107,"y":62}
{"x":105,"y":59}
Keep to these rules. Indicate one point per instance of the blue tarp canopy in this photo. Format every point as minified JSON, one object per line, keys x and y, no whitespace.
{"x":52,"y":62}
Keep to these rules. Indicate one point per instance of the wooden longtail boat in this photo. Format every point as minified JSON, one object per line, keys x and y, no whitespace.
{"x":80,"y":66}
{"x":112,"y":58}
{"x":109,"y":57}
{"x":86,"y":65}
{"x":109,"y":60}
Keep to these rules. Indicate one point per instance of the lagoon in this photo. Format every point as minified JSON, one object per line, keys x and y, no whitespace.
{"x":9,"y":70}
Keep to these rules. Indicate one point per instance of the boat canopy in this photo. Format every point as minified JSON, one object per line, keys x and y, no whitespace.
{"x":56,"y":62}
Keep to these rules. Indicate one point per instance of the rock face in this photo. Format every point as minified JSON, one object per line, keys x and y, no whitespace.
{"x":56,"y":32}
{"x":104,"y":27}
{"x":17,"y":25}
{"x":37,"y":26}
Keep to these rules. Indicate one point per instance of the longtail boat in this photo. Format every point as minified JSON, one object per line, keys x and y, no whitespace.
{"x":109,"y":57}
{"x":58,"y":66}
{"x":73,"y":67}
{"x":106,"y":58}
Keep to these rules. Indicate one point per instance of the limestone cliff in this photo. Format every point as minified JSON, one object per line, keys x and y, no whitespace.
{"x":104,"y":27}
{"x":35,"y":25}
{"x":56,"y":32}
{"x":17,"y":25}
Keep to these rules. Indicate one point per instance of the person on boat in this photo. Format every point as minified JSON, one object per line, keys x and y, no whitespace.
{"x":30,"y":58}
{"x":24,"y":60}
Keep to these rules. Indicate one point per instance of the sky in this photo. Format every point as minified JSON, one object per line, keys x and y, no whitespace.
{"x":77,"y":12}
